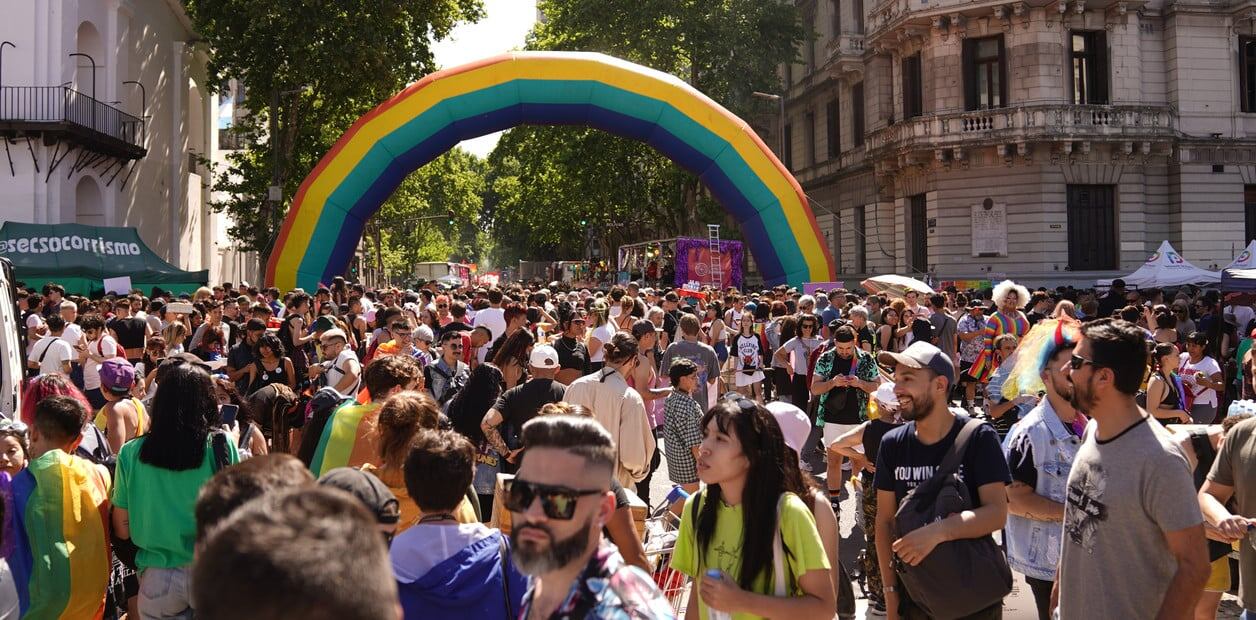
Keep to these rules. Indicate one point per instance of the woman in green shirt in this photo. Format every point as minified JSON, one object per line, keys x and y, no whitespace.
{"x":157,"y":478}
{"x":743,"y":460}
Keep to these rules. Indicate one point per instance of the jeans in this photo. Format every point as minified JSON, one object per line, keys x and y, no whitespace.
{"x":166,"y":593}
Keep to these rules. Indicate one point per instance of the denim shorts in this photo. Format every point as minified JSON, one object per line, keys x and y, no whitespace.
{"x":166,"y":593}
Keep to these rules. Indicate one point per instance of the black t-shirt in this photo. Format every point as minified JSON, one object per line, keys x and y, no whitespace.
{"x":842,"y":404}
{"x":521,"y":403}
{"x":130,"y":332}
{"x":873,"y":432}
{"x":236,"y":330}
{"x":572,"y":354}
{"x":239,"y":357}
{"x":864,"y":335}
{"x":903,"y":462}
{"x":671,"y":320}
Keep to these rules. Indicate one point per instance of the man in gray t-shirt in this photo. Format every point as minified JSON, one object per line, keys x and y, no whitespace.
{"x":944,"y":328}
{"x":1231,"y":477}
{"x":1133,"y":544}
{"x":702,"y":355}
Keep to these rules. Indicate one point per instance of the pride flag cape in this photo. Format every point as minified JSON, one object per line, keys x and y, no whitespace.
{"x":348,"y":440}
{"x":60,"y":559}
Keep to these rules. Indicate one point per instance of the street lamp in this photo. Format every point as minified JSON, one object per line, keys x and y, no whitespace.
{"x":781,"y":101}
{"x":2,"y":44}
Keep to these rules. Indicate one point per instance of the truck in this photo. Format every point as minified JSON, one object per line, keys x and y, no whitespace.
{"x":11,"y":352}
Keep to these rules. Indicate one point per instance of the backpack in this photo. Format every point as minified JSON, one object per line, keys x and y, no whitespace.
{"x":318,"y":412}
{"x":959,"y":577}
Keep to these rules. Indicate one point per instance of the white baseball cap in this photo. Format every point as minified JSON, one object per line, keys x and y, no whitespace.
{"x":543,"y":356}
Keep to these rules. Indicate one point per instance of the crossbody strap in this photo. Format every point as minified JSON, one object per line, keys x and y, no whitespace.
{"x":46,"y":347}
{"x":504,"y":556}
{"x":950,"y":463}
{"x":779,"y":578}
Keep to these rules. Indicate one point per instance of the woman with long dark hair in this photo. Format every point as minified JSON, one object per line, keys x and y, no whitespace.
{"x":745,"y":464}
{"x":157,"y":479}
{"x":270,"y":365}
{"x":465,"y":411}
{"x":512,"y":358}
{"x":1166,"y":400}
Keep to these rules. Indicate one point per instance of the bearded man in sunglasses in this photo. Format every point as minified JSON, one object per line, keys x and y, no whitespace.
{"x":558,"y":503}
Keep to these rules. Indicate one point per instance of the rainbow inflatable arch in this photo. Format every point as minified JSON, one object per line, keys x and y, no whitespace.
{"x":429,"y":117}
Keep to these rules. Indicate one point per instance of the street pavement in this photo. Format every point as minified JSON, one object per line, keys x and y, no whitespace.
{"x":1019,"y":605}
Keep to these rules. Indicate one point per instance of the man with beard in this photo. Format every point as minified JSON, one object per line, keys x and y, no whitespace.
{"x":908,"y":457}
{"x":1129,"y":509}
{"x":1040,"y":451}
{"x":559,"y":502}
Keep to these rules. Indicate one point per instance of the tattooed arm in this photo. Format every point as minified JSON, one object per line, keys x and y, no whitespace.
{"x":492,"y":420}
{"x":1022,"y":501}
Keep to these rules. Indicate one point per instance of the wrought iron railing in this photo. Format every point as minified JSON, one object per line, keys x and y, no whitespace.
{"x":62,"y":104}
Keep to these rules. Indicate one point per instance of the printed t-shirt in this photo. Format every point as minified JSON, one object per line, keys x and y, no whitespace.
{"x":903,"y":462}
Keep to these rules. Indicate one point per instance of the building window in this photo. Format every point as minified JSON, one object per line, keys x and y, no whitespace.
{"x":1249,"y":210}
{"x":811,"y":139}
{"x":857,"y":7}
{"x":857,"y":111}
{"x":1247,"y":73}
{"x":919,"y":218}
{"x":1090,"y":67}
{"x":789,"y":148}
{"x":834,"y":129}
{"x":1092,"y":237}
{"x":837,"y":18}
{"x":985,"y":77}
{"x":913,"y":98}
{"x":861,"y":239}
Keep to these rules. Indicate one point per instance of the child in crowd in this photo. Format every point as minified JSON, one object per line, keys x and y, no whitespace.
{"x":682,"y":430}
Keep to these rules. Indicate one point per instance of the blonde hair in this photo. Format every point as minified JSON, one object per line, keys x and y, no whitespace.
{"x":175,"y":333}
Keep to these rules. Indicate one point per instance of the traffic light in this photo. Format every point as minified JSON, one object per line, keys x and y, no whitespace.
{"x":450,"y":215}
{"x":584,"y":222}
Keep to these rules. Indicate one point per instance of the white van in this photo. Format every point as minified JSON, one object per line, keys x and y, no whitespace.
{"x":11,"y":353}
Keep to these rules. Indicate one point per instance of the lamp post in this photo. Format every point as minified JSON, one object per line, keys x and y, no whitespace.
{"x":2,"y":44}
{"x":781,"y":102}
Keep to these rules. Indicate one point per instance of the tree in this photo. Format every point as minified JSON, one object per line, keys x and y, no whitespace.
{"x":309,"y":69}
{"x":544,"y":181}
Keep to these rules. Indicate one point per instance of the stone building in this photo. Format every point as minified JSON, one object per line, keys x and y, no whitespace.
{"x":1053,"y":142}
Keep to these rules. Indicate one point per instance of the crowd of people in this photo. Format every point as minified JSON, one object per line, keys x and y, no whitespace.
{"x":474,"y":452}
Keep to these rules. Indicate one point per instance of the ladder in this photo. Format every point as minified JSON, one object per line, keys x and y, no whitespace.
{"x":713,"y":244}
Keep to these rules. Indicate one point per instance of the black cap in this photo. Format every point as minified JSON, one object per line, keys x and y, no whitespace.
{"x":374,"y":494}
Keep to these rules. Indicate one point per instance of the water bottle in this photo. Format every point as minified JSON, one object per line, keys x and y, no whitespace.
{"x":677,"y":494}
{"x":715,"y":614}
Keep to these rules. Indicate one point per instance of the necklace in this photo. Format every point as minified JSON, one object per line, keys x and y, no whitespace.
{"x":444,"y":516}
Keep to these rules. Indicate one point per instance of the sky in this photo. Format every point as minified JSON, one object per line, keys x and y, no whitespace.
{"x":503,"y":29}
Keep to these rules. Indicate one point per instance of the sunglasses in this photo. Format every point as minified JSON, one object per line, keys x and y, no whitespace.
{"x":558,"y":502}
{"x":1077,"y":361}
{"x":12,"y":425}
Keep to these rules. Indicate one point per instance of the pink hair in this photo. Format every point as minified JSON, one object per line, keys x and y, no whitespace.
{"x":42,"y":387}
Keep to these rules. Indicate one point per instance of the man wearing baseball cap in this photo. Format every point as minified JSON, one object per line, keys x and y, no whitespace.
{"x":123,"y":417}
{"x":521,"y":403}
{"x":908,"y":457}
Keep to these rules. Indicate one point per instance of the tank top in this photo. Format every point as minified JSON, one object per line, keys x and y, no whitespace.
{"x":141,"y":417}
{"x":872,"y":435}
{"x":263,"y":377}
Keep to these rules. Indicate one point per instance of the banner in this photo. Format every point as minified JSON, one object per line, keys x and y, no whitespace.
{"x":693,"y":262}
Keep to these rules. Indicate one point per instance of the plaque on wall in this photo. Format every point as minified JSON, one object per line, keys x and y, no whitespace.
{"x":989,"y":229}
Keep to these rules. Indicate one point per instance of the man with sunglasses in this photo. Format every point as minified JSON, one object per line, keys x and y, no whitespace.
{"x":573,"y":356}
{"x":449,"y":373}
{"x":1129,"y":511}
{"x":559,"y":502}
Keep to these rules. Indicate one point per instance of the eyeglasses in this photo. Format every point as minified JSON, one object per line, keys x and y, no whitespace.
{"x":13,"y":425}
{"x":1077,"y":361}
{"x":403,"y":334}
{"x":442,"y":305}
{"x":558,"y":502}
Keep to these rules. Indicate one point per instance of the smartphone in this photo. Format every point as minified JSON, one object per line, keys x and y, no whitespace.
{"x":228,"y":413}
{"x":180,"y":307}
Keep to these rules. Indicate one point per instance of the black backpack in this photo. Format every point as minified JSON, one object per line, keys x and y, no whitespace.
{"x":959,"y":577}
{"x":322,"y":405}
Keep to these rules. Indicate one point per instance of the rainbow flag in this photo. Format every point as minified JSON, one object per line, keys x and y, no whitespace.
{"x":60,"y":560}
{"x":350,"y":439}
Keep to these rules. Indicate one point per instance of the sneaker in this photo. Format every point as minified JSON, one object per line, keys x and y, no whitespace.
{"x":876,"y":610}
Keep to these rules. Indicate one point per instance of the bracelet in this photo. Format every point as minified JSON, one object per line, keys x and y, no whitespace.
{"x":889,"y":589}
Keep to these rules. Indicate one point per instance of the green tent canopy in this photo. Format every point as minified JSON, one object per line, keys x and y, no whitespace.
{"x":80,"y":257}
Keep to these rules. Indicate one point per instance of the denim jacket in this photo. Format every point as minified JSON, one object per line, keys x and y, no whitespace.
{"x":1033,"y":547}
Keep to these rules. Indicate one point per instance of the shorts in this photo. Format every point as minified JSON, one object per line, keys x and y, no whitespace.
{"x":833,"y":431}
{"x":1219,"y":578}
{"x":964,"y":377}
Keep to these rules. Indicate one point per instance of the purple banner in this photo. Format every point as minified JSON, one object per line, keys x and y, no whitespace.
{"x":694,"y":261}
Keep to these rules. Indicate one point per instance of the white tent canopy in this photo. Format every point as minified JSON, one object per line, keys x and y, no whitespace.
{"x":1246,"y":259}
{"x":1167,"y":268}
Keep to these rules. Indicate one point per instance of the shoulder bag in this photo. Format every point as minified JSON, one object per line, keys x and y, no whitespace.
{"x":959,"y":577}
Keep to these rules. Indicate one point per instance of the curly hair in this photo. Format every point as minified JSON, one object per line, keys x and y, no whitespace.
{"x":1002,"y":289}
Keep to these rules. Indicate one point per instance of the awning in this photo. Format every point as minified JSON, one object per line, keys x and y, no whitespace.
{"x":1166,"y":268}
{"x":80,"y":257}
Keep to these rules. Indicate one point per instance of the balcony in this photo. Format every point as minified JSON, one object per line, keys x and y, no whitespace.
{"x":1130,"y":126}
{"x":845,"y":56}
{"x":62,"y":113}
{"x":892,"y":21}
